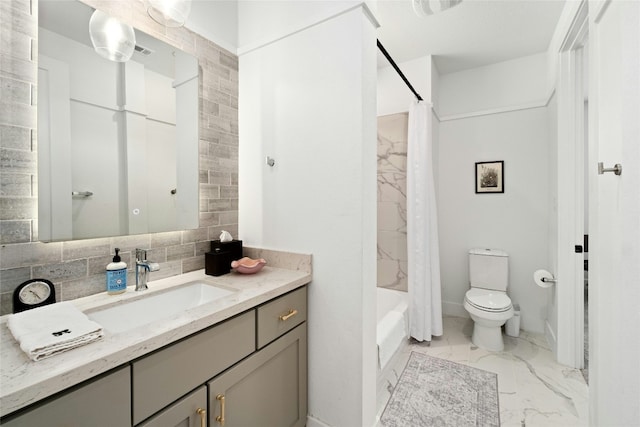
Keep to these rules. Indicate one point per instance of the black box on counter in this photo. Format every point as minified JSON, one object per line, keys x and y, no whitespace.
{"x":234,"y":248}
{"x":217,"y":262}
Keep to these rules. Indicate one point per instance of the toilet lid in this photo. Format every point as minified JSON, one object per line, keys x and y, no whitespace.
{"x":485,"y":299}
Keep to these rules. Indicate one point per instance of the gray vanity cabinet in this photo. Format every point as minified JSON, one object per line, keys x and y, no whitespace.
{"x":104,"y":402}
{"x":268,"y":389}
{"x":257,"y":360}
{"x":189,"y":411}
{"x":164,"y":376}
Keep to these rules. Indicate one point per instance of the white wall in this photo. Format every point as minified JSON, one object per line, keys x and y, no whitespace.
{"x":393,"y":94}
{"x":518,"y":82}
{"x":308,"y":101}
{"x":261,"y":22}
{"x":496,"y":125}
{"x":516,"y":221}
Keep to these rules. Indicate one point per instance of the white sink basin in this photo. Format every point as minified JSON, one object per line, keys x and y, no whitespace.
{"x":152,"y":308}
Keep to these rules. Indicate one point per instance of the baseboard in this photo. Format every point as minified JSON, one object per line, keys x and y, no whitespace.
{"x":454,"y":309}
{"x":551,"y":337}
{"x":312,"y":422}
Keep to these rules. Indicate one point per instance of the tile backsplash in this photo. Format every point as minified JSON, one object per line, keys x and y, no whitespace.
{"x":77,"y":267}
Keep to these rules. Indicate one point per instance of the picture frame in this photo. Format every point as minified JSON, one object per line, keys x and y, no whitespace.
{"x":490,"y":177}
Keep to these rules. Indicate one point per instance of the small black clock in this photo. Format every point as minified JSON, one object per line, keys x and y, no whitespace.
{"x":33,"y":293}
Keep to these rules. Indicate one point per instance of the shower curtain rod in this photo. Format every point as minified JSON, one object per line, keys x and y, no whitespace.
{"x":395,"y":67}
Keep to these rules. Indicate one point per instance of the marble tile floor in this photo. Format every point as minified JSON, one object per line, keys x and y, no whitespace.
{"x":533,"y":389}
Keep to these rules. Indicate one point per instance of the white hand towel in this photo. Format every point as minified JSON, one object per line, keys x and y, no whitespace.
{"x":46,"y":331}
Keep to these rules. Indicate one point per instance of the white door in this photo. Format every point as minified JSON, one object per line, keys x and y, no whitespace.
{"x":614,"y":276}
{"x":54,"y":151}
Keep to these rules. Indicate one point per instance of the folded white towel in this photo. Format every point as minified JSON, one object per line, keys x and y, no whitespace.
{"x":51,"y":329}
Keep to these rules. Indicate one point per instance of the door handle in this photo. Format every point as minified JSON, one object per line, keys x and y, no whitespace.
{"x":617,"y":169}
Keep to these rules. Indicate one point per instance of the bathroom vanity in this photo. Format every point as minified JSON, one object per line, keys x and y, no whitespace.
{"x":240,"y":360}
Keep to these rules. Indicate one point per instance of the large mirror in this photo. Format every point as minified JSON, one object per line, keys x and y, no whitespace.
{"x":117,"y":141}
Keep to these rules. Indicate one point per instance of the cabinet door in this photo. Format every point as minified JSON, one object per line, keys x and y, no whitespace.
{"x":268,"y":389}
{"x":187,"y":412}
{"x":102,"y":402}
{"x":165,"y":376}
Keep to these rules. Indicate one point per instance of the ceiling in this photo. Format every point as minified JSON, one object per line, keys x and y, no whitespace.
{"x":471,"y":34}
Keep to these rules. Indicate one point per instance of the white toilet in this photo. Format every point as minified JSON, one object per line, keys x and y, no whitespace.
{"x":487,"y":301}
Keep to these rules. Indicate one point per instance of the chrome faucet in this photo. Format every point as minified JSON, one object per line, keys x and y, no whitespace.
{"x":142,"y":268}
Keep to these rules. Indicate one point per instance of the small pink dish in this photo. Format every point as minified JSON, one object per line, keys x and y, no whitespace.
{"x":247,"y":265}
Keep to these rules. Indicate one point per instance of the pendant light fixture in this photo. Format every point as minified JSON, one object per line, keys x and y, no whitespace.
{"x":111,"y":38}
{"x":170,"y":13}
{"x":424,"y":8}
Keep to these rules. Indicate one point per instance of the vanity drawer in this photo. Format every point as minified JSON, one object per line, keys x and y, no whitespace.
{"x":170,"y":373}
{"x":279,"y":316}
{"x":91,"y":404}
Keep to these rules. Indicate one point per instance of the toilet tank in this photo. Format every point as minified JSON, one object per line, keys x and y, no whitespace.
{"x":489,"y":269}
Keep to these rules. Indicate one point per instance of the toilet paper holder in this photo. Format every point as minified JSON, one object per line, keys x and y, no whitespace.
{"x":544,"y":279}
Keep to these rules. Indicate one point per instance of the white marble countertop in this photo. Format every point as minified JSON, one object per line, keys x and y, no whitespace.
{"x":24,"y":381}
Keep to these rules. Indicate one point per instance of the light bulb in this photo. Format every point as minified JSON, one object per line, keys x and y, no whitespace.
{"x":111,"y":38}
{"x":170,"y":13}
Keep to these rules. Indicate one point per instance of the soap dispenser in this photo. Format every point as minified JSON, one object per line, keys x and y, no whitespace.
{"x":116,"y":275}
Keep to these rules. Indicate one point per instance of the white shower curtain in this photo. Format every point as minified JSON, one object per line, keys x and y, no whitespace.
{"x":422,"y":228}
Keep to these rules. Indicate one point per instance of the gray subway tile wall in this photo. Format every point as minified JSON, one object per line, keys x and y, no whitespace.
{"x":77,"y":267}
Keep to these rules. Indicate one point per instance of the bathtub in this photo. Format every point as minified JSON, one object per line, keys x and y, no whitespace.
{"x":392,"y":324}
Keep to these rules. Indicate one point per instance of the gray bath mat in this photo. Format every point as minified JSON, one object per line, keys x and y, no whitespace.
{"x":437,"y":392}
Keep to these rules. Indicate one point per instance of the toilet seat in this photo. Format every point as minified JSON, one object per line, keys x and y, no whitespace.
{"x":488,"y":300}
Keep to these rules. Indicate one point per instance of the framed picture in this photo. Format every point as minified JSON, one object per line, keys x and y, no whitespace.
{"x":490,"y":177}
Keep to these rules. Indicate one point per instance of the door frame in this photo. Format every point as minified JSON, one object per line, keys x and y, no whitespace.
{"x":571,"y":191}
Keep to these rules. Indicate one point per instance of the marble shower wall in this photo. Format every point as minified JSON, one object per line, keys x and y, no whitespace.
{"x":392,"y":201}
{"x":77,"y":267}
